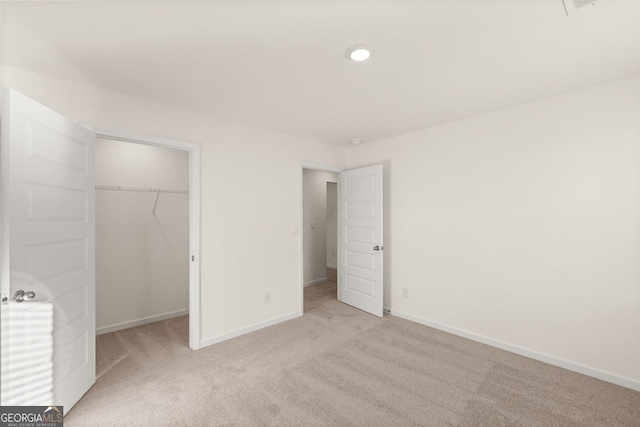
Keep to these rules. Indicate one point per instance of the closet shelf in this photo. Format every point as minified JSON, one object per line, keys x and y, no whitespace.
{"x":142,"y":190}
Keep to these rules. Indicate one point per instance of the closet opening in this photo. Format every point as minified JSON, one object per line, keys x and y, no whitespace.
{"x":147,"y":219}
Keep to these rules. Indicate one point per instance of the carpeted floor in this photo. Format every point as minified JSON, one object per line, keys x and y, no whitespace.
{"x":337,"y":366}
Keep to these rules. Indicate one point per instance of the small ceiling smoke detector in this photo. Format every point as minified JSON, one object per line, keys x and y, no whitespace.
{"x":359,"y":52}
{"x":356,"y":141}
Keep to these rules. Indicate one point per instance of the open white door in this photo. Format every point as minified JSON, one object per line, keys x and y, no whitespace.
{"x":360,"y":245}
{"x":48,"y":252}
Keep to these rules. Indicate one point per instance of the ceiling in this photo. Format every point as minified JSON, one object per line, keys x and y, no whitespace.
{"x":282,"y":65}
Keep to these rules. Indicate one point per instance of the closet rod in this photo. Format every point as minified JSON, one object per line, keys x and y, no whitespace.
{"x":144,"y":190}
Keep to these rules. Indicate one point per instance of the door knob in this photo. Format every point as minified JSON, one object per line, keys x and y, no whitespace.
{"x":21,"y":295}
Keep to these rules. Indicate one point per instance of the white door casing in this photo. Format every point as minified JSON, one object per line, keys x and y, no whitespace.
{"x":194,"y":214}
{"x":360,"y":239}
{"x":48,"y":244}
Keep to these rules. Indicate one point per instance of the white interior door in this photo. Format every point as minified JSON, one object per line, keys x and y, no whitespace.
{"x":360,"y":245}
{"x":48,"y":248}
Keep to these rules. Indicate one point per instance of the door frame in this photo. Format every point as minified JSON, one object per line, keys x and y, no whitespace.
{"x":194,"y":215}
{"x":318,"y":167}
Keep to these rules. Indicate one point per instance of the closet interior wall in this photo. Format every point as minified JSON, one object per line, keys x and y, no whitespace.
{"x":142,"y":234}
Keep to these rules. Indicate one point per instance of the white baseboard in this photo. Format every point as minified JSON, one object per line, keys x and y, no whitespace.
{"x":217,"y":339}
{"x":315,"y":282}
{"x":137,"y":322}
{"x":532,"y":354}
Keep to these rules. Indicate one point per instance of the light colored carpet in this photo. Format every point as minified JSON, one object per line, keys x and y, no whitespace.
{"x":337,"y":366}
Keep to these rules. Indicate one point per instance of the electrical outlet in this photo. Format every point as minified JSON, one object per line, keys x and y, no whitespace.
{"x":405,"y":292}
{"x":267,"y":297}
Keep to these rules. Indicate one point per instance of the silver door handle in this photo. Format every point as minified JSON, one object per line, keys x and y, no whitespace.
{"x":24,"y":296}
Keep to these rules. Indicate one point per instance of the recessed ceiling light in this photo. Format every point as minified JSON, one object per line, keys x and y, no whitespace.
{"x":359,"y":52}
{"x":356,"y":141}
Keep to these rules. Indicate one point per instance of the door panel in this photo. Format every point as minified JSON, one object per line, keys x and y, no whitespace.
{"x":48,"y":230}
{"x":360,"y":233}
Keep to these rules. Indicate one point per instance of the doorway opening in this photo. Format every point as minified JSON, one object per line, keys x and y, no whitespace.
{"x":359,"y":238}
{"x":48,"y":225}
{"x":319,"y":236}
{"x":147,"y":237}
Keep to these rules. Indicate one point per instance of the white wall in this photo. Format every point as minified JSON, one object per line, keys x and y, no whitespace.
{"x":315,"y":224}
{"x":247,"y":242}
{"x":522,"y":226}
{"x":142,"y":258}
{"x":332,"y":224}
{"x":137,"y":165}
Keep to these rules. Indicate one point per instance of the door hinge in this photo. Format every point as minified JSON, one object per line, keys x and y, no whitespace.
{"x":4,"y":299}
{"x":193,"y":257}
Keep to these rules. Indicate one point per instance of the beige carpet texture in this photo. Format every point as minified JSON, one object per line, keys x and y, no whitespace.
{"x":336,"y":366}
